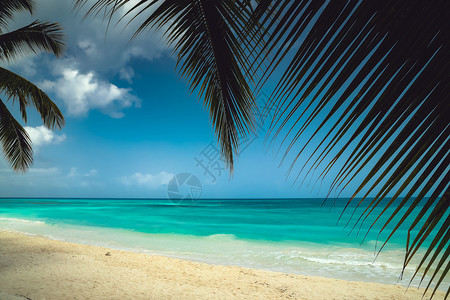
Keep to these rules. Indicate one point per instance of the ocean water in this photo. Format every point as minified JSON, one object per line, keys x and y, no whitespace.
{"x":301,"y":236}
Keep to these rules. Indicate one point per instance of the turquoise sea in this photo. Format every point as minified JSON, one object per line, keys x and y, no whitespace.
{"x":301,"y":236}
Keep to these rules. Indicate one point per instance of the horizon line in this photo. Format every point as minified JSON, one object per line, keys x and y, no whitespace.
{"x":211,"y":198}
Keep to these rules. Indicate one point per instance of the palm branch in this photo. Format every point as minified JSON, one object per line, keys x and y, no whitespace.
{"x":372,"y":77}
{"x":9,"y":7}
{"x":15,"y":141}
{"x":207,"y":38}
{"x":24,"y":92}
{"x":35,"y":37}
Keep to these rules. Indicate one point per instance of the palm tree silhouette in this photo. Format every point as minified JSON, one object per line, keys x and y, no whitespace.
{"x":37,"y":36}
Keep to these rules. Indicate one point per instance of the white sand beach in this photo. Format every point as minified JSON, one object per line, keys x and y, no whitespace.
{"x":33,"y":267}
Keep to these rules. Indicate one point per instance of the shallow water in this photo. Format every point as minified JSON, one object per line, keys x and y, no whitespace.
{"x":300,"y":236}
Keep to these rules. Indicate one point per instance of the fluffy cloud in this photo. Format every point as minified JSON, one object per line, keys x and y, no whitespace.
{"x":96,"y":54}
{"x":92,"y":172}
{"x":84,"y":180}
{"x":83,"y":92}
{"x":74,"y":173}
{"x":92,"y":41}
{"x":127,"y":74}
{"x":43,"y":136}
{"x":148,"y":180}
{"x":25,"y":65}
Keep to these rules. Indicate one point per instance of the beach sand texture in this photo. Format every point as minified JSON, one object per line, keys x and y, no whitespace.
{"x":37,"y":268}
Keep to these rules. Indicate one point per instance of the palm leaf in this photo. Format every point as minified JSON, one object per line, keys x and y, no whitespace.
{"x":9,"y":7}
{"x":15,"y":141}
{"x":206,"y":38}
{"x":35,"y":37}
{"x":26,"y":93}
{"x":372,"y":77}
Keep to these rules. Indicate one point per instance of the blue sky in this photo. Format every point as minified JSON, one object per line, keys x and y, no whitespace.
{"x":131,"y":122}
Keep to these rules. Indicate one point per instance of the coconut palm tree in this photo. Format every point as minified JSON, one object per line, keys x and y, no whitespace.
{"x":35,"y":37}
{"x":370,"y":78}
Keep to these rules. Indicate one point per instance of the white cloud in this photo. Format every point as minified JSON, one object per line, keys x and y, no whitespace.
{"x":148,"y":180}
{"x":89,"y":47}
{"x":75,"y":178}
{"x":73,"y":172}
{"x":92,"y":172}
{"x":43,"y":136}
{"x":109,"y":48}
{"x":25,"y":65}
{"x":127,"y":74}
{"x":96,"y":44}
{"x":91,"y":43}
{"x":44,"y":171}
{"x":83,"y":92}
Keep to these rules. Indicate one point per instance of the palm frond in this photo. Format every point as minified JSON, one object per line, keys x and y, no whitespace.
{"x":9,"y":7}
{"x":15,"y":141}
{"x":20,"y":90}
{"x":207,"y":39}
{"x":372,"y":77}
{"x":35,"y":37}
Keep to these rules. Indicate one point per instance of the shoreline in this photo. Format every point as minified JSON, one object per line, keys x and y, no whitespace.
{"x":299,"y":239}
{"x":36,"y":267}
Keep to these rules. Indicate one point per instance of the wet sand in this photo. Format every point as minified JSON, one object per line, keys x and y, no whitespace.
{"x":33,"y":267}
